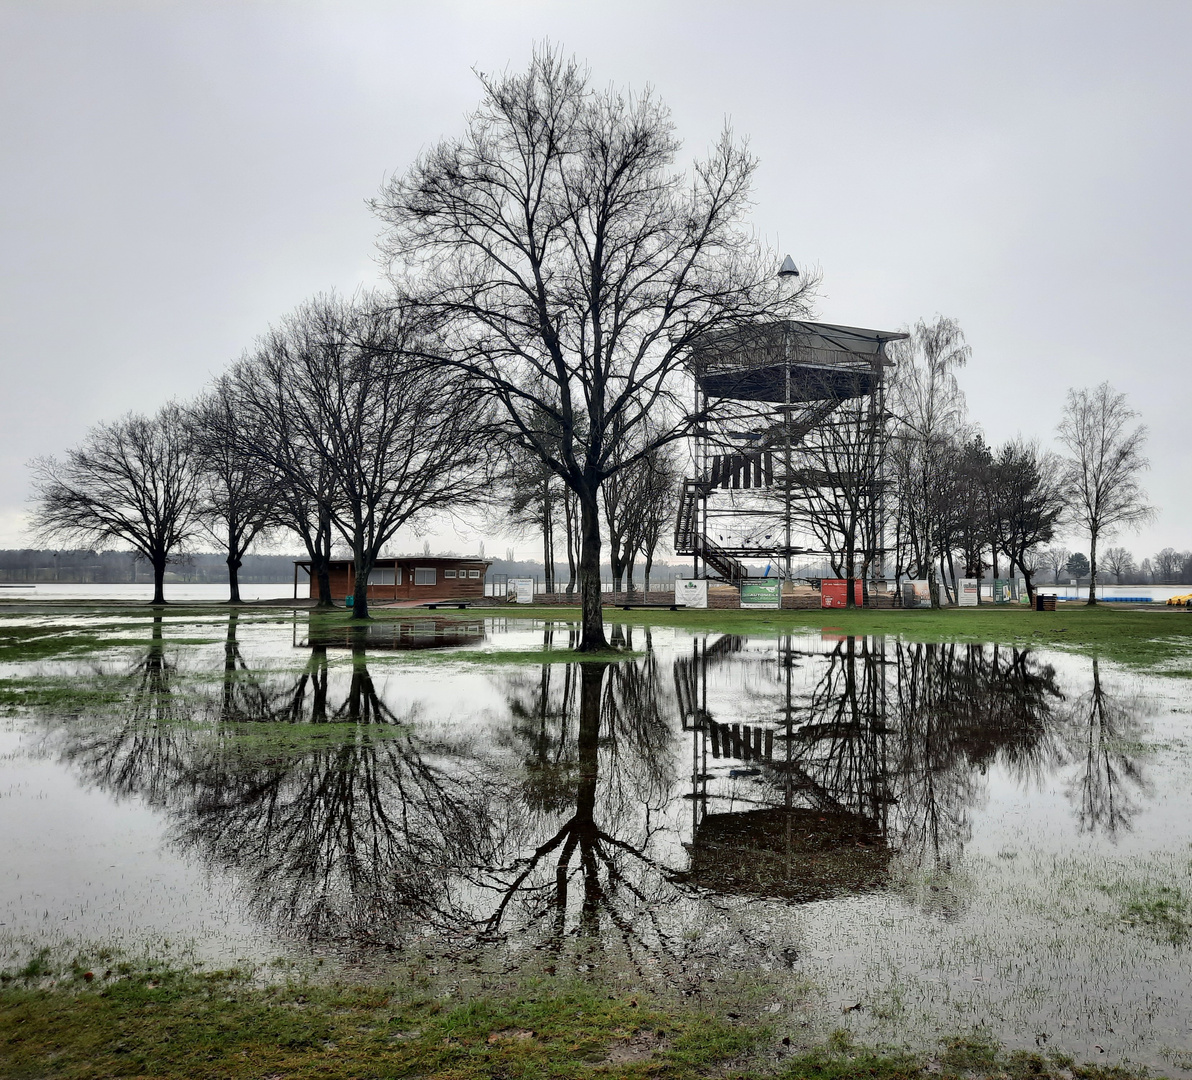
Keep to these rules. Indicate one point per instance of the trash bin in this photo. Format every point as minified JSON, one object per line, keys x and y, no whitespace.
{"x":350,"y":601}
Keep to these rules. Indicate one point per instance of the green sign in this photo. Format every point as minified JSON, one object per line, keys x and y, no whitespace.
{"x":766,"y":593}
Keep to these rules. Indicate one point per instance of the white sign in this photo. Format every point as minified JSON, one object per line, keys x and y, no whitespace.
{"x":691,"y":592}
{"x":522,"y":589}
{"x":968,"y":592}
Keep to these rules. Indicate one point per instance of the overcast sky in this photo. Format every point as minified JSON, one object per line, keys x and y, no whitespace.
{"x":177,"y":175}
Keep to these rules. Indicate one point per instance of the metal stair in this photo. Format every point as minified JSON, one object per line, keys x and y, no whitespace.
{"x":690,"y":540}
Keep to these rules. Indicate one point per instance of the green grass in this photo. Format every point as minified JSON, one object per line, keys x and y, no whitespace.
{"x":115,"y":1023}
{"x":1154,"y":640}
{"x":1161,"y":912}
{"x":1158,"y":641}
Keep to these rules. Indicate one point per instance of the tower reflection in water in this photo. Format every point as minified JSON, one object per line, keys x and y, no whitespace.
{"x":855,"y":749}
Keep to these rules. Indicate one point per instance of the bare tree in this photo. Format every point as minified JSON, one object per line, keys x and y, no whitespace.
{"x":838,"y":479}
{"x":536,"y":500}
{"x":1055,"y":559}
{"x":1102,"y":473}
{"x":237,"y":497}
{"x":399,"y":438}
{"x":1167,"y":564}
{"x":659,"y":497}
{"x":1030,"y":501}
{"x":269,"y":438}
{"x":930,"y":410}
{"x":571,"y":270}
{"x":1119,"y":562}
{"x":132,"y":481}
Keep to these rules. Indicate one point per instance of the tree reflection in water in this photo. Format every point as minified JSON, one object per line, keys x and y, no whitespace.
{"x":610,"y":782}
{"x":811,"y":764}
{"x":146,"y":748}
{"x":1100,"y":733}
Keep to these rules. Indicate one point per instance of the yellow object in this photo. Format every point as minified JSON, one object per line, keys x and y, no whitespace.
{"x":1180,"y":601}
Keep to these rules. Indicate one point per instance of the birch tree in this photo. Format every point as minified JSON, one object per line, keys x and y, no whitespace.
{"x":929,"y":407}
{"x":1102,"y":471}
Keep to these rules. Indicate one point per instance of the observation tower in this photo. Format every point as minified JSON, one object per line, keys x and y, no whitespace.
{"x":760,"y":392}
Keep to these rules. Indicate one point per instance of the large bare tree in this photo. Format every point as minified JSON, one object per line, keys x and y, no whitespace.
{"x":395,"y":438}
{"x":132,"y":481}
{"x":1106,"y":450}
{"x":1119,"y":561}
{"x":571,"y":267}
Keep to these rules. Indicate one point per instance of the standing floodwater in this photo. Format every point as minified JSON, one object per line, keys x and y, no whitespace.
{"x":910,"y":839}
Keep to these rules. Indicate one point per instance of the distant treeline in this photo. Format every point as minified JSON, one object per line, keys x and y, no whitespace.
{"x":114,"y":567}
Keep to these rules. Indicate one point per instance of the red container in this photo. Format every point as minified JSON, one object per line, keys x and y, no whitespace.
{"x":834,"y":592}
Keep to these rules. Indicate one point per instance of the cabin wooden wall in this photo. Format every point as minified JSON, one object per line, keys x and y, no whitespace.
{"x":343,"y":581}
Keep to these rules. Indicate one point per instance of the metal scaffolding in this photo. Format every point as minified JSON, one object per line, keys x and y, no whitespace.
{"x":759,"y":392}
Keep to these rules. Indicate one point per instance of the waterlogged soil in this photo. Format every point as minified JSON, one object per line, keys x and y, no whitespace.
{"x":850,"y":837}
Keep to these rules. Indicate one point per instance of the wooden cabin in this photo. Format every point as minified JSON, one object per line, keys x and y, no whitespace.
{"x":421,"y":578}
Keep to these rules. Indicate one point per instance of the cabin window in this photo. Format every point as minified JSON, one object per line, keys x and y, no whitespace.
{"x":424,"y":575}
{"x":473,"y":573}
{"x":448,"y":573}
{"x":381,"y":575}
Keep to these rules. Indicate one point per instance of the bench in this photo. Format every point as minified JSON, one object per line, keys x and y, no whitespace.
{"x":461,"y":604}
{"x":662,"y":607}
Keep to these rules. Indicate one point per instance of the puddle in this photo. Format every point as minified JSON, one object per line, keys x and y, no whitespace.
{"x":913,"y":840}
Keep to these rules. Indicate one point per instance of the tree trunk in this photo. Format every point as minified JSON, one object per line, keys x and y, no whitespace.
{"x":615,"y":563}
{"x":159,"y":575}
{"x":1093,"y":568}
{"x":954,"y":593}
{"x":322,"y":572}
{"x":850,"y":566}
{"x":1027,"y":576}
{"x":548,"y":535}
{"x":589,"y":576}
{"x":363,"y":562}
{"x":569,"y":523}
{"x":234,"y":563}
{"x":933,"y":589}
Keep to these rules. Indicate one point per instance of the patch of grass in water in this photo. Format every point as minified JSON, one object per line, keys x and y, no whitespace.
{"x":1161,"y":912}
{"x":167,"y":1024}
{"x":255,"y":736}
{"x":59,"y":694}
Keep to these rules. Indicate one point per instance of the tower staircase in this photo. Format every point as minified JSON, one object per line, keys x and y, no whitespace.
{"x":738,"y":470}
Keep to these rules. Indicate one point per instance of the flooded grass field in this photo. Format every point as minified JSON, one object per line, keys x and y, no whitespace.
{"x":850,"y":837}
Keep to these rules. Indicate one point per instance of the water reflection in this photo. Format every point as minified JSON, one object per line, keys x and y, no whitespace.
{"x":399,"y":635}
{"x":595,"y":752}
{"x":596,"y":800}
{"x":1102,"y":738}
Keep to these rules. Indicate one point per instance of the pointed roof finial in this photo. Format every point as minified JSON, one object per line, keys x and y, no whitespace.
{"x":788,"y":268}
